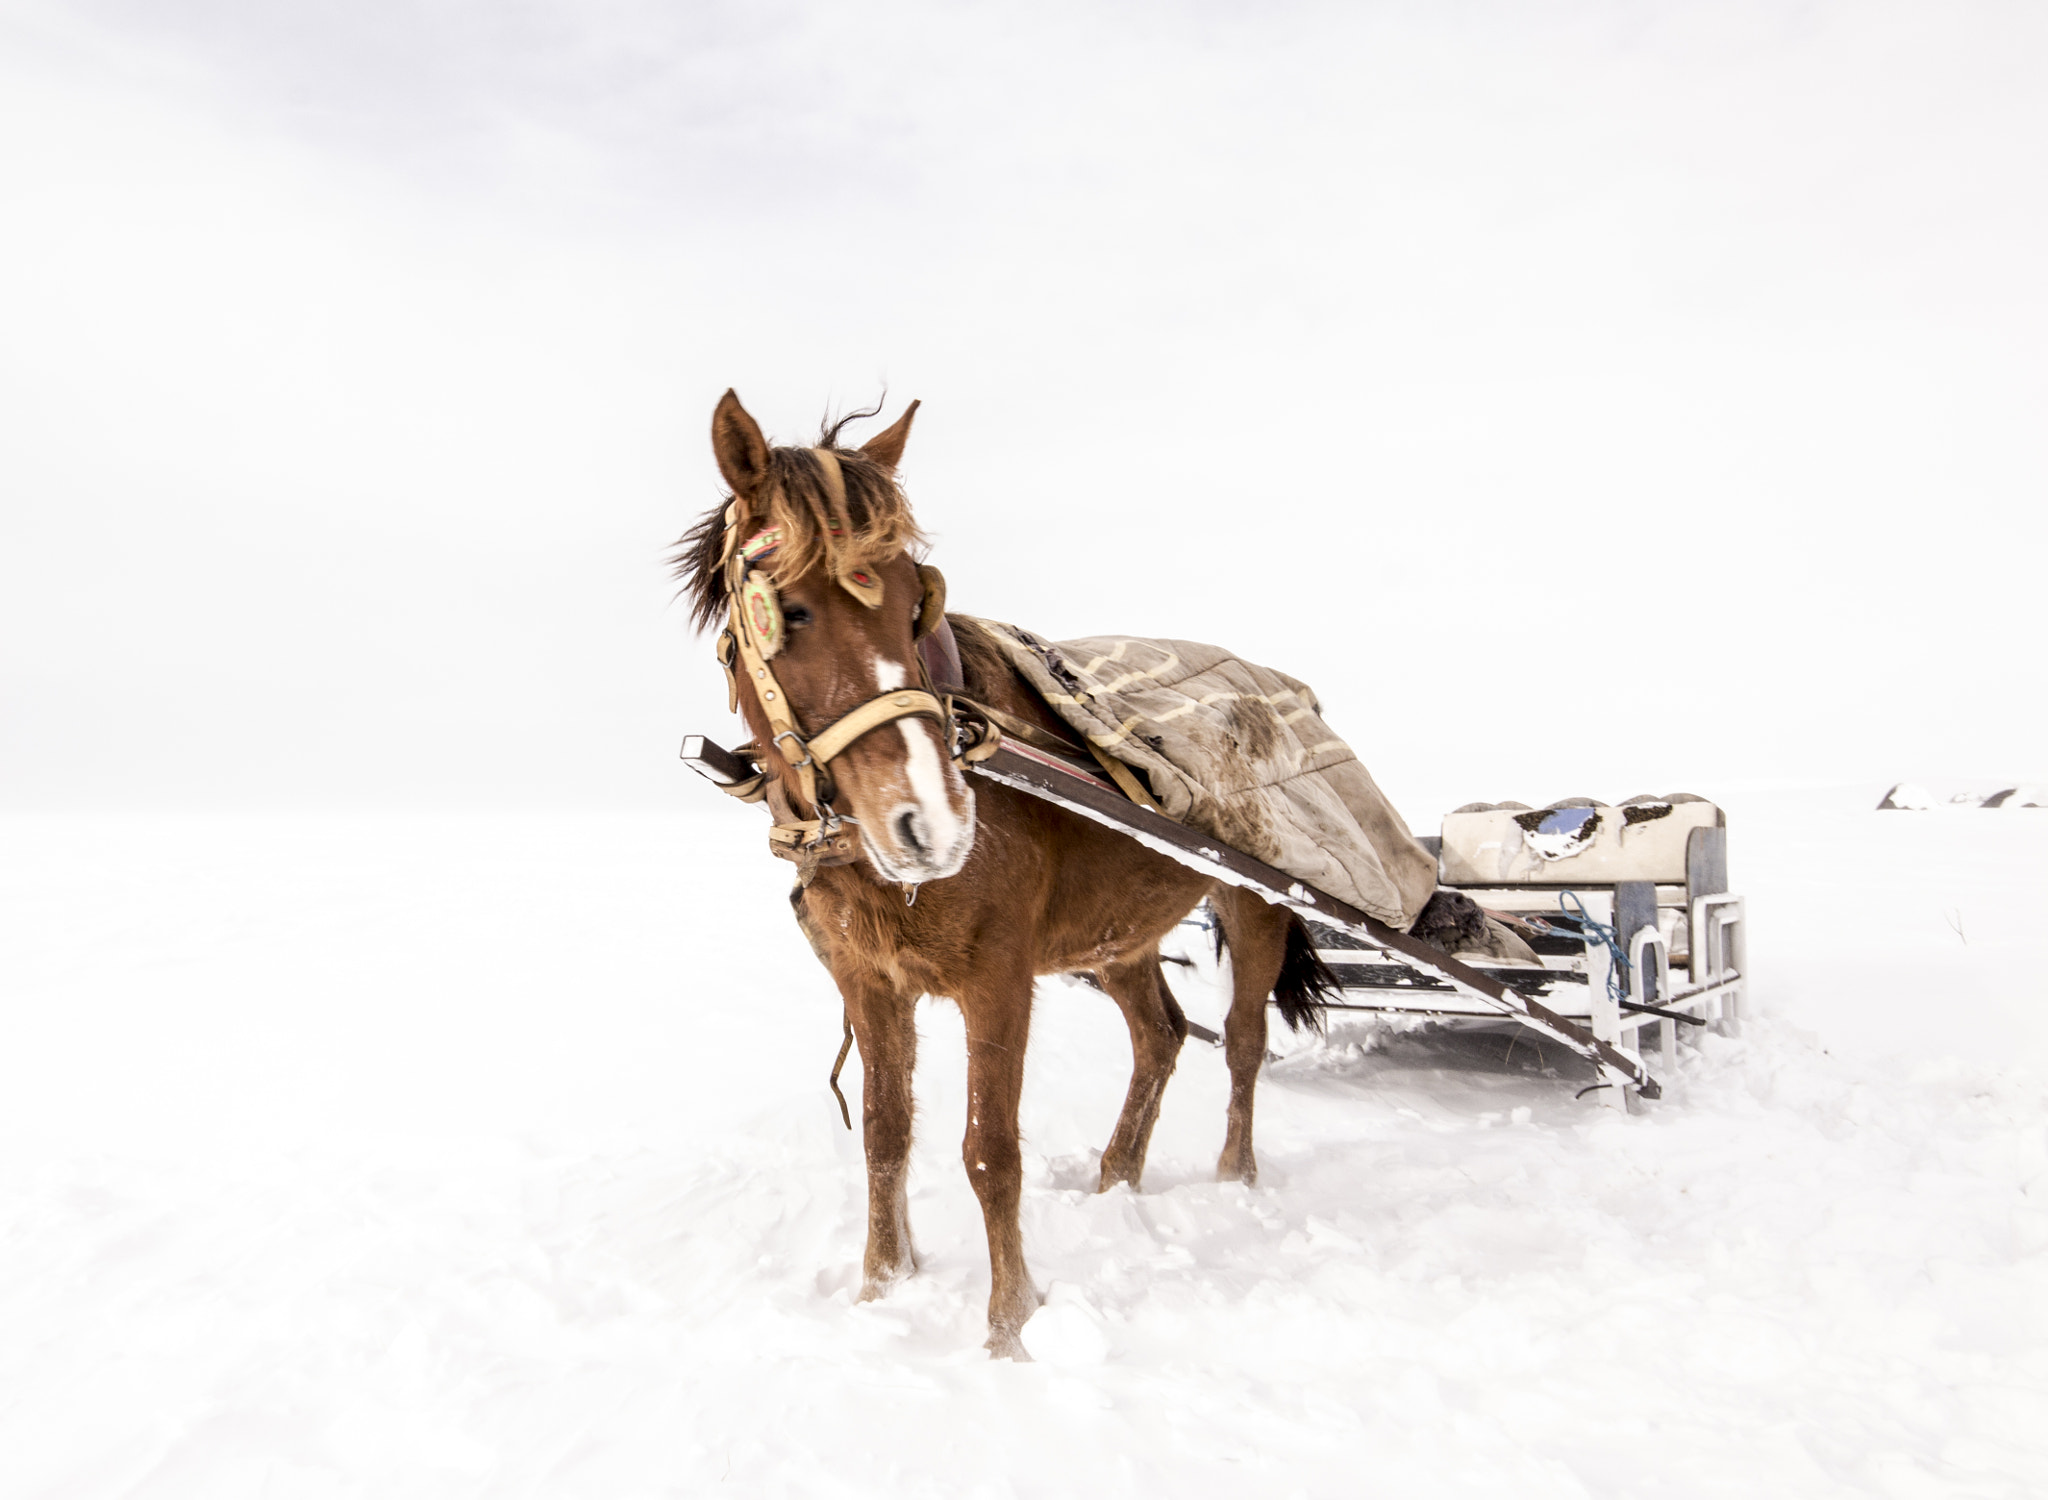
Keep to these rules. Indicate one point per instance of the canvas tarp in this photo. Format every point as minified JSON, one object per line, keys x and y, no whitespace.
{"x":1238,"y":751}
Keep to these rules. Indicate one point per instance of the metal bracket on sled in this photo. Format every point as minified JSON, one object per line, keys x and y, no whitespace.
{"x":1054,"y":780}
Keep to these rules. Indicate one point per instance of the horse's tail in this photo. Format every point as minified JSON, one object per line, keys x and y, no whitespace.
{"x":1306,"y":984}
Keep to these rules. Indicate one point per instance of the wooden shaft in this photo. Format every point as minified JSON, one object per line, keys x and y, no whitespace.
{"x":1044,"y":776}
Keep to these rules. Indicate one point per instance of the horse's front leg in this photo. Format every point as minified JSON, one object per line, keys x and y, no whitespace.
{"x":998,"y":1025}
{"x":885,"y":1027}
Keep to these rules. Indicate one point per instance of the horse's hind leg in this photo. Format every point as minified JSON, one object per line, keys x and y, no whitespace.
{"x":1157,"y":1030}
{"x":1257,"y":934}
{"x":884,"y":1025}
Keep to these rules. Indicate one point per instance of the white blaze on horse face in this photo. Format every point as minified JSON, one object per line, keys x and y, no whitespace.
{"x":944,"y":828}
{"x":930,"y":831}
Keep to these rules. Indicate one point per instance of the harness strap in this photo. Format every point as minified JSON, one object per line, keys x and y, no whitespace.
{"x":753,"y":789}
{"x":858,"y":582}
{"x":887,"y":708}
{"x":807,"y":845}
{"x":727,"y":650}
{"x":1020,"y":729}
{"x":1125,"y":778}
{"x":774,"y":702}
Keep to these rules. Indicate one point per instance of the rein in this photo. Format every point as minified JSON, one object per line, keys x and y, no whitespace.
{"x":754,"y":635}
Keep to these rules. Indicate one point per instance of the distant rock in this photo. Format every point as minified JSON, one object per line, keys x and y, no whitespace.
{"x":1909,"y":796}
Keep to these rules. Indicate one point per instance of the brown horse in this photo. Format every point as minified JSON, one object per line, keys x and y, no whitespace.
{"x":966,"y":892}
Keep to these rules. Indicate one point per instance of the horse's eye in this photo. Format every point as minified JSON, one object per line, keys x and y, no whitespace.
{"x":795,"y":616}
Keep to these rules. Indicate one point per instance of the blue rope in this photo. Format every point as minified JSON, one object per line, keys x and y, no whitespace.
{"x":1591,"y":932}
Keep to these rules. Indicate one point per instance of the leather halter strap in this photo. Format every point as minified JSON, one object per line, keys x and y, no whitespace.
{"x":884,"y":708}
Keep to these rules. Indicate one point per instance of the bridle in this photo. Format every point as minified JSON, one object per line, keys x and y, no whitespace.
{"x":755,"y":635}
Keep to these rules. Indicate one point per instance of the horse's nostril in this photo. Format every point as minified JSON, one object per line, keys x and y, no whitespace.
{"x":908,"y":827}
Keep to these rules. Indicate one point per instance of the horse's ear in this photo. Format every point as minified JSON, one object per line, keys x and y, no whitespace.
{"x":742,"y":451}
{"x":886,"y":448}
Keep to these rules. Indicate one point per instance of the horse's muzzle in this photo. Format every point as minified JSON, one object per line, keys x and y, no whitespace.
{"x":917,"y":842}
{"x":915,"y":808}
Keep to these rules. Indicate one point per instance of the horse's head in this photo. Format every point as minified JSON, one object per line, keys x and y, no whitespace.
{"x":810,"y":567}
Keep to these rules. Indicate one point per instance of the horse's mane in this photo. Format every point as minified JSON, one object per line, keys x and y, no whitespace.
{"x":878,"y":522}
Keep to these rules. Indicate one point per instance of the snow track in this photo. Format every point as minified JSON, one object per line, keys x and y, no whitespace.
{"x":481,"y":1156}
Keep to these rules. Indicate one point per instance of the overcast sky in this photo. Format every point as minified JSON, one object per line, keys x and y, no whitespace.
{"x":1583,"y":398}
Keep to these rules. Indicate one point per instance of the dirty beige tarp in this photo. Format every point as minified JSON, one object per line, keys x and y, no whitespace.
{"x":1240,"y":752}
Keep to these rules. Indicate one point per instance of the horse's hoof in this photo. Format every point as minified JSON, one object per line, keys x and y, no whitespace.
{"x":1007,"y":1346}
{"x":1246,"y":1173}
{"x":876,"y":1285}
{"x":1111,"y":1176}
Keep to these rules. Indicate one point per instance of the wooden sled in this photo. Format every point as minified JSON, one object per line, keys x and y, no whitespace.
{"x":1627,"y":907}
{"x":1407,"y":975}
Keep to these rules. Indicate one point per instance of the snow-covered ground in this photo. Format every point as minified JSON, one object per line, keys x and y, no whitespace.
{"x":395,"y":1156}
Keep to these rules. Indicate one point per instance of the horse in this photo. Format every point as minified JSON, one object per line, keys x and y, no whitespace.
{"x":957,"y":891}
